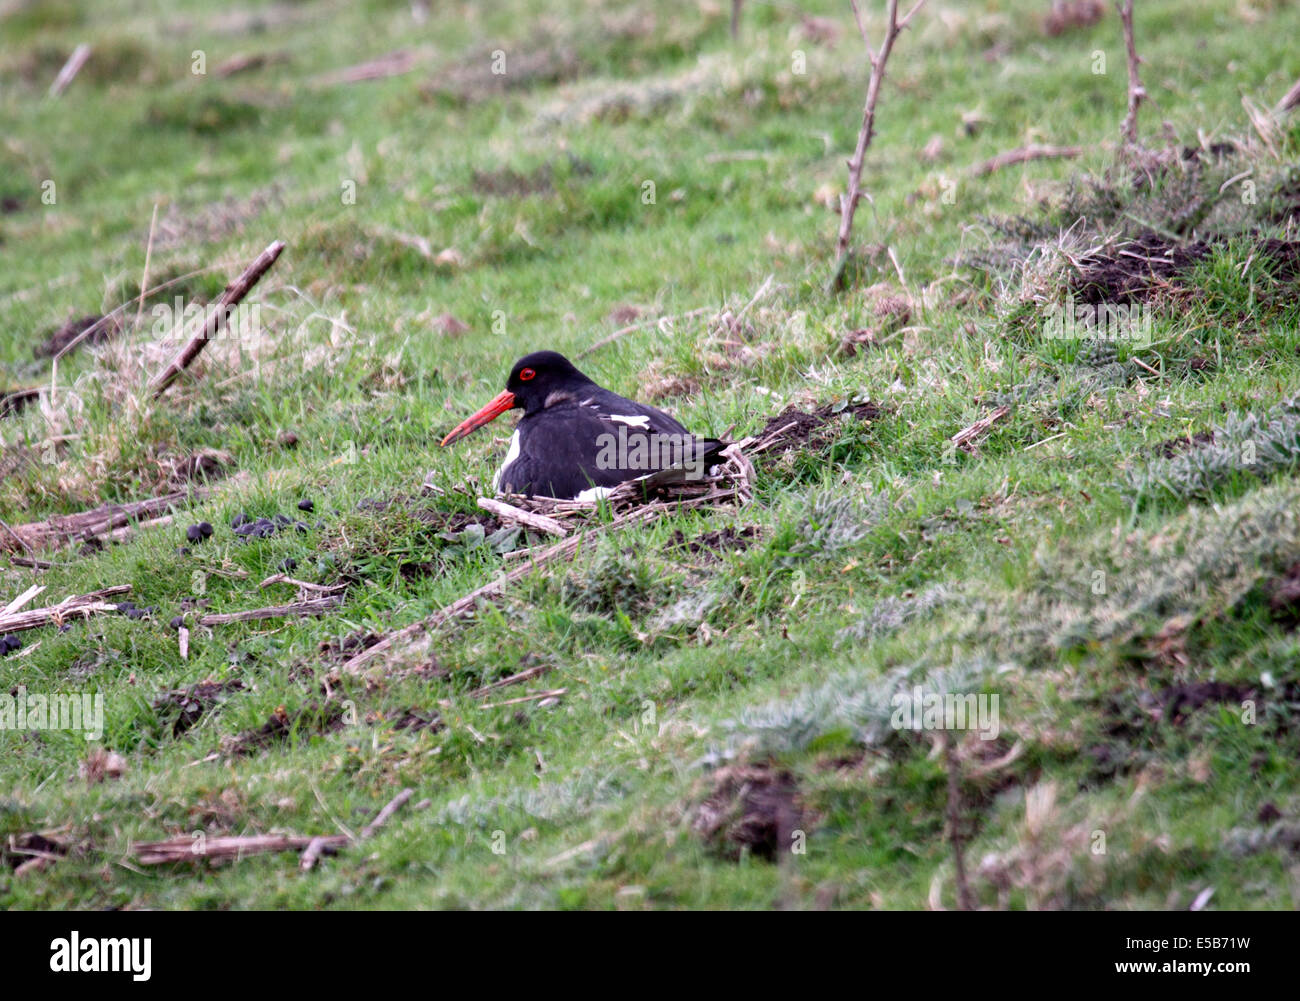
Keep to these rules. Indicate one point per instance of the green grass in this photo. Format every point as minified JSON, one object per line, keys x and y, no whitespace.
{"x":1075,"y":564}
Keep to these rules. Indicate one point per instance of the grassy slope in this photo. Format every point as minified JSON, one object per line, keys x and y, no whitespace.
{"x":604,"y":98}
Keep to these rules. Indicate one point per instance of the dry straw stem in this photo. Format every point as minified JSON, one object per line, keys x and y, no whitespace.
{"x":217,"y":318}
{"x":731,"y":484}
{"x":1291,"y":99}
{"x":966,"y":436}
{"x":416,"y":638}
{"x":72,"y":607}
{"x":1023,"y":154}
{"x":99,"y":522}
{"x":529,"y":519}
{"x":641,"y":325}
{"x":965,"y":899}
{"x":554,"y":693}
{"x":70,"y":69}
{"x":849,"y":200}
{"x":306,"y":585}
{"x":514,"y":679}
{"x":187,"y":849}
{"x":299,"y":609}
{"x":723,"y":317}
{"x":116,"y":316}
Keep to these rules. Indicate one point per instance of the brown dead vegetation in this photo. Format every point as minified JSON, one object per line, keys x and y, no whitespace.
{"x":754,"y":809}
{"x":1070,"y":15}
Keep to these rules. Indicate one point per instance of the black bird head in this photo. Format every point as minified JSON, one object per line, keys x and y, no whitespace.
{"x":536,"y":381}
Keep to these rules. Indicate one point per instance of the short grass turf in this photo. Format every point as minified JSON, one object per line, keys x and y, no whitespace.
{"x":1115,"y":558}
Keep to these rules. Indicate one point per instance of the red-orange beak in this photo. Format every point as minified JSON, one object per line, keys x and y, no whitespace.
{"x":491,"y":412}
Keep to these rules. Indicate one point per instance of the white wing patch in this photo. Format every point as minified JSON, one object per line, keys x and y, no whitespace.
{"x":511,"y":456}
{"x":641,"y":422}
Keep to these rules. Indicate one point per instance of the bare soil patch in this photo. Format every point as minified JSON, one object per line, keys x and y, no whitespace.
{"x":751,"y":808}
{"x":182,"y":708}
{"x":797,"y":429}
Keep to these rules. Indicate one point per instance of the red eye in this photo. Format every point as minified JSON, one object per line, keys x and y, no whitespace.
{"x":526,"y":373}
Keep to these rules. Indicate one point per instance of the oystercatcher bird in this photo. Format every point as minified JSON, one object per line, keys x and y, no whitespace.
{"x":577,"y":440}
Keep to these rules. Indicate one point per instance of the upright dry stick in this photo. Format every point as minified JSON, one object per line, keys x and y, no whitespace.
{"x":849,"y":200}
{"x":965,"y":899}
{"x":1136,"y":92}
{"x":70,"y":69}
{"x":217,"y":318}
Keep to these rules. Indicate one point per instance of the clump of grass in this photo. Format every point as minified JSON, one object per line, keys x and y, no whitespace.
{"x":689,"y":610}
{"x":831,"y":522}
{"x":1200,"y":565}
{"x":1244,"y":446}
{"x":857,"y":706}
{"x":890,"y":614}
{"x":616,"y":580}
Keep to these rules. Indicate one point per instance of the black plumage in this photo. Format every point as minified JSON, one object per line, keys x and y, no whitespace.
{"x":577,"y":438}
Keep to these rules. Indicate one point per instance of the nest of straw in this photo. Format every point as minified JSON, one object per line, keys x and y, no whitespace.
{"x":728,"y":484}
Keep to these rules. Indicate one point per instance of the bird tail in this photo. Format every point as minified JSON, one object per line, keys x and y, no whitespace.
{"x":713,"y":449}
{"x":707,"y":454}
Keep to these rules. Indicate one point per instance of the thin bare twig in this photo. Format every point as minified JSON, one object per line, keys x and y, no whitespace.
{"x":315,"y":848}
{"x":966,"y":436}
{"x":318,"y":845}
{"x":381,"y":818}
{"x":862,"y":28}
{"x":282,"y":578}
{"x":529,"y":519}
{"x":965,"y":899}
{"x":1136,"y":92}
{"x":849,"y":200}
{"x":1034,"y":151}
{"x":553,"y":693}
{"x":218,"y":317}
{"x":116,"y":314}
{"x":312,"y":606}
{"x":70,"y":69}
{"x":392,"y":64}
{"x":34,"y":564}
{"x":514,"y":679}
{"x":17,"y":538}
{"x":418,"y":636}
{"x":72,"y":607}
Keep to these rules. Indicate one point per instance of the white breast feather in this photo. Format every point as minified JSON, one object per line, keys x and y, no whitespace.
{"x":511,"y":456}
